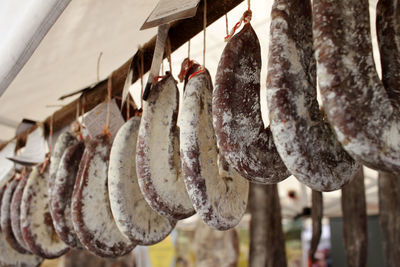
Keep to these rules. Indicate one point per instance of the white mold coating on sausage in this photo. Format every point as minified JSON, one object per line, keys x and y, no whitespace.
{"x":91,"y":213}
{"x":133,"y":216}
{"x":218,"y":193}
{"x":157,"y":160}
{"x":37,"y":226}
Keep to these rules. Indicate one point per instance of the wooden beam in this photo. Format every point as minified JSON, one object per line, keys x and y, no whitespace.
{"x":179,"y":33}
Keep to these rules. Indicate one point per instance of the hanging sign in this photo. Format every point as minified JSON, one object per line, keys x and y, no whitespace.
{"x":34,"y":151}
{"x":95,"y":120}
{"x":170,"y":10}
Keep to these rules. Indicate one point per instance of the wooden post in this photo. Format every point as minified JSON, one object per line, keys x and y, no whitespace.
{"x":354,"y":210}
{"x":389,"y":216}
{"x":267,"y":242}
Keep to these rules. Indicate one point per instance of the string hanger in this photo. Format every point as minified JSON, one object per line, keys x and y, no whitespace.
{"x":47,"y":158}
{"x":106,"y":128}
{"x":246,"y":18}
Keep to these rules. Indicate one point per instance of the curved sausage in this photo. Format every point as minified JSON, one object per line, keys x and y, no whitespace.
{"x":157,"y":158}
{"x":242,"y":139}
{"x":15,"y":210}
{"x":6,"y":228}
{"x":66,"y":139}
{"x":61,"y":193}
{"x":11,"y":257}
{"x":304,"y":140}
{"x":134,"y":217}
{"x":218,"y":193}
{"x":37,"y":225}
{"x":91,"y":213}
{"x":388,"y":33}
{"x":354,"y":99}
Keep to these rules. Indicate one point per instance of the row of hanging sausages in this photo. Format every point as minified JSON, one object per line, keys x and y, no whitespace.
{"x":108,"y":196}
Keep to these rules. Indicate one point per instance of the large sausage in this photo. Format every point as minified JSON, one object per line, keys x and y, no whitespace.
{"x":15,"y":210}
{"x":6,"y":228}
{"x":242,"y":138}
{"x":134,"y":217}
{"x":66,"y":139}
{"x":157,"y":160}
{"x":11,"y":257}
{"x":356,"y":103}
{"x":218,"y":193}
{"x":37,"y":226}
{"x":307,"y":145}
{"x":91,"y":213}
{"x":61,"y":193}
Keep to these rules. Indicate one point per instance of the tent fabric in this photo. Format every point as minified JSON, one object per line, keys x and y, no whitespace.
{"x":24,"y":33}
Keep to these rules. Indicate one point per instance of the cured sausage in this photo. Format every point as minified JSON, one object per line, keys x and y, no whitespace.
{"x":37,"y":226}
{"x":355,"y":234}
{"x":218,"y":193}
{"x":11,"y":257}
{"x":66,"y":139}
{"x":5,"y":215}
{"x":241,"y":136}
{"x":157,"y":158}
{"x":91,"y":213}
{"x":15,"y":210}
{"x":354,"y":99}
{"x":304,"y":140}
{"x":388,"y":33}
{"x":134,"y":217}
{"x":61,"y":193}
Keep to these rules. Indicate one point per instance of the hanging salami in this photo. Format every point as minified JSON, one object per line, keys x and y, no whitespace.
{"x":157,"y":159}
{"x":15,"y":210}
{"x":307,"y":145}
{"x":134,"y":217}
{"x":354,"y":99}
{"x":10,"y":257}
{"x":37,"y":225}
{"x":218,"y":193}
{"x":91,"y":213}
{"x":388,"y":33}
{"x":241,"y":136}
{"x":65,"y":140}
{"x":6,"y":228}
{"x":61,"y":193}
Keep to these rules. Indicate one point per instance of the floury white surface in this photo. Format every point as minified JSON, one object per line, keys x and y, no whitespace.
{"x":6,"y":216}
{"x":61,"y":193}
{"x":363,"y":113}
{"x":244,"y":141}
{"x":218,"y":193}
{"x":36,"y":223}
{"x":157,"y":159}
{"x":133,"y":216}
{"x":304,"y":140}
{"x":91,"y":213}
